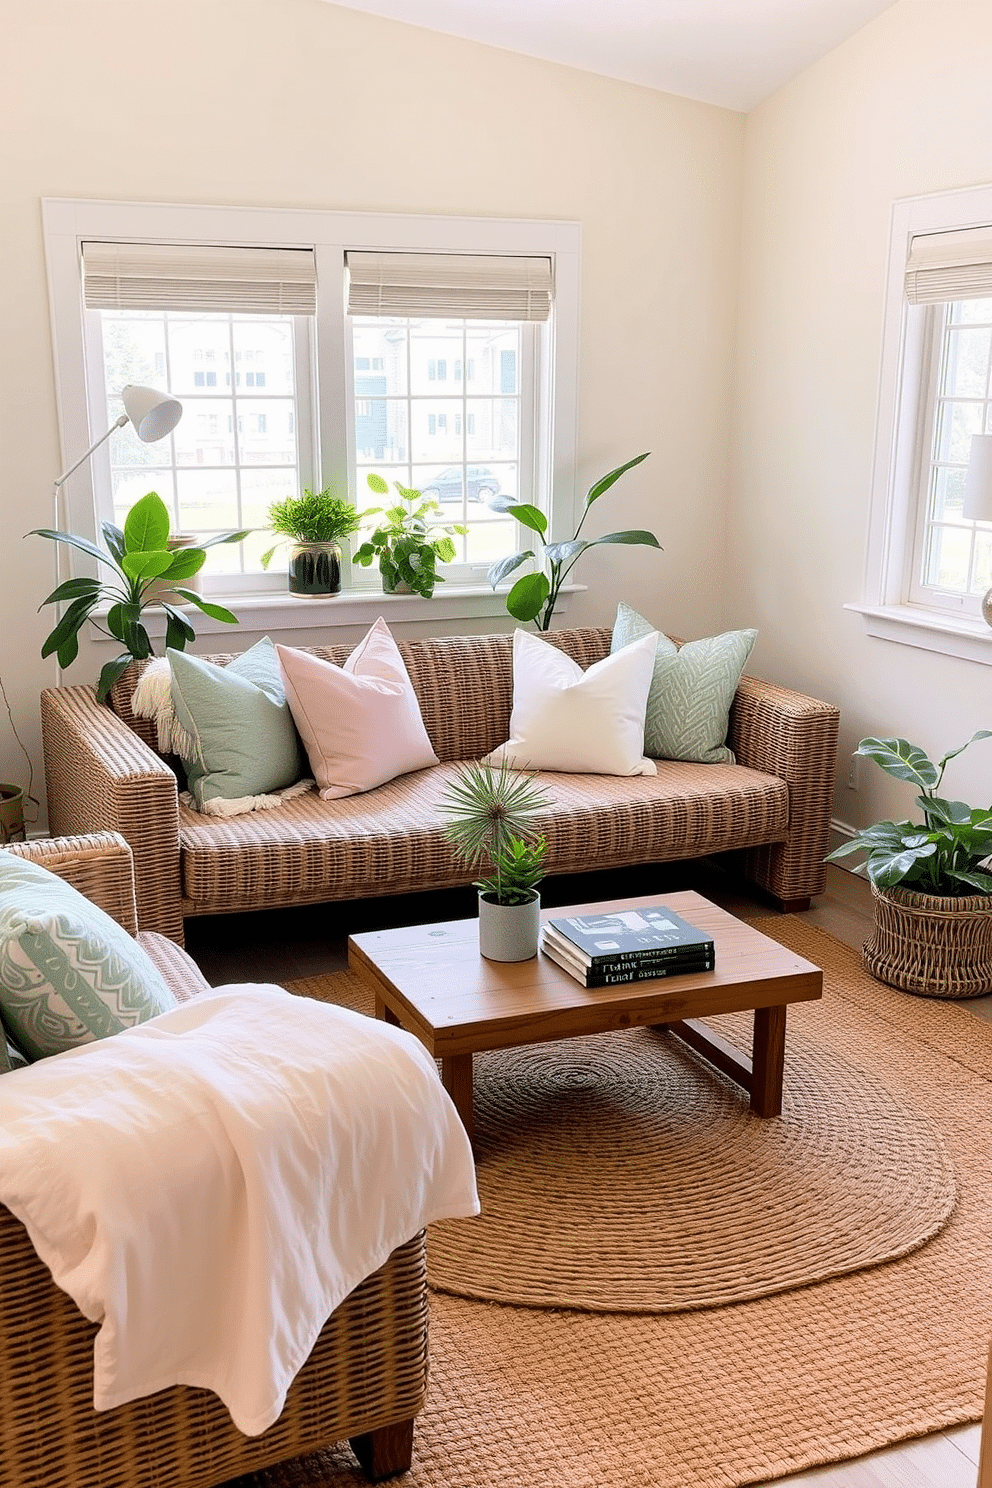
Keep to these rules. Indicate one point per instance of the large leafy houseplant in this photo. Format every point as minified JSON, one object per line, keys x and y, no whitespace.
{"x":535,"y":596}
{"x":947,"y":854}
{"x":408,"y":543}
{"x":140,"y":562}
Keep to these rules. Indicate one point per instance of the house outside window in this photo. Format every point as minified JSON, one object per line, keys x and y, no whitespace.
{"x":350,"y":385}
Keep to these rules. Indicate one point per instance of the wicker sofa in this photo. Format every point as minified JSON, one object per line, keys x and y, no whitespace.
{"x":365,"y":1379}
{"x":772,"y":807}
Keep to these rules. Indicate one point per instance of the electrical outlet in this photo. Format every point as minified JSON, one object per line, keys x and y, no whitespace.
{"x":854,"y":773}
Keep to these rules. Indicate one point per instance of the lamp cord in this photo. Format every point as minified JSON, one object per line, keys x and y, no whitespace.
{"x":13,"y":728}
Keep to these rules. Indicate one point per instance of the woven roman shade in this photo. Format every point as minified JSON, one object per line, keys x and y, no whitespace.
{"x":456,"y":285}
{"x":165,"y":276}
{"x":950,"y":266}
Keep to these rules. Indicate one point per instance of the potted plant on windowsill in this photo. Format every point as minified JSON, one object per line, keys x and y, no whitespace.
{"x":930,"y":881}
{"x":314,"y":524}
{"x":535,"y":595}
{"x":144,"y":573}
{"x":407,"y":543}
{"x":489,"y":812}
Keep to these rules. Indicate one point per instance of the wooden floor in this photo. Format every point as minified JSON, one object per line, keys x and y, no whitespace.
{"x":282,"y":945}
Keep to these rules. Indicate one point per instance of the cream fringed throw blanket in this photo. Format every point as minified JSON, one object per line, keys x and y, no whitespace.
{"x":209,"y":1185}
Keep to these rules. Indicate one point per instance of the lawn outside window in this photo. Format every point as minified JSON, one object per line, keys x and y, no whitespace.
{"x":280,"y":391}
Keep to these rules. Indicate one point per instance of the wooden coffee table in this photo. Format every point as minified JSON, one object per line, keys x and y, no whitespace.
{"x":431,"y":980}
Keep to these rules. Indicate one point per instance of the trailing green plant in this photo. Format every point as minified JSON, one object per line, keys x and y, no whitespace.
{"x":947,"y":854}
{"x":408,"y":544}
{"x":138,"y":557}
{"x":489,"y":811}
{"x":312,"y":517}
{"x":535,"y":596}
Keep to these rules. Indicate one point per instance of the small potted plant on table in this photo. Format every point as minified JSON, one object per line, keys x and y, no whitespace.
{"x":490,"y":810}
{"x":408,"y":545}
{"x":930,"y":882}
{"x":314,"y":524}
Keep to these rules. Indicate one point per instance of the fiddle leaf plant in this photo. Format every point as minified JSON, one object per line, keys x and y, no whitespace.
{"x":138,"y":557}
{"x":408,"y":543}
{"x":948,"y":853}
{"x":535,"y":595}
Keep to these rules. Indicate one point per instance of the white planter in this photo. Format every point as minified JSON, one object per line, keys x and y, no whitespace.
{"x":509,"y":932}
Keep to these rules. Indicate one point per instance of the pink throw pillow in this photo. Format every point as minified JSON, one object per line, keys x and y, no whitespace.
{"x":360,"y":723}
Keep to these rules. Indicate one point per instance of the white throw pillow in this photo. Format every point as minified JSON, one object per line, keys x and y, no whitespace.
{"x":589,"y":723}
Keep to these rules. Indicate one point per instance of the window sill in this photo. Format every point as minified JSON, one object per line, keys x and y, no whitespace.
{"x":281,"y":611}
{"x":964,"y":636}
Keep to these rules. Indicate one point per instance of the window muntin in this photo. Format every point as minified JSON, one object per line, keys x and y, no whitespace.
{"x":951,"y":566}
{"x":462,"y":442}
{"x":236,"y":449}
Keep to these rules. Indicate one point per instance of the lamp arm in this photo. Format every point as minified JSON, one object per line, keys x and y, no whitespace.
{"x":66,"y":473}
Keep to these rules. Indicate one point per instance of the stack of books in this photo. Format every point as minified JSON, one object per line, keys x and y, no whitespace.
{"x":630,"y":945}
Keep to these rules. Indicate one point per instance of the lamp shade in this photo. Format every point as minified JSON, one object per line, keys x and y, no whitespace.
{"x":152,"y":413}
{"x":978,"y":481}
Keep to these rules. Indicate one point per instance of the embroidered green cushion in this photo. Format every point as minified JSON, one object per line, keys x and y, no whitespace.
{"x":243,"y":739}
{"x":693,"y":686}
{"x":68,"y":972}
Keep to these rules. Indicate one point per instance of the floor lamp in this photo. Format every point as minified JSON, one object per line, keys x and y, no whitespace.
{"x":153,"y":415}
{"x":978,"y":496}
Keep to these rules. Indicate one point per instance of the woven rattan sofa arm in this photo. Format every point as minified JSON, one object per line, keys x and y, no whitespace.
{"x":788,"y":734}
{"x":100,"y":777}
{"x":99,"y":865}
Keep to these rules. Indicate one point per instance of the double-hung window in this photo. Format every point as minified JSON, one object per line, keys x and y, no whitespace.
{"x":310,"y":349}
{"x":928,"y":563}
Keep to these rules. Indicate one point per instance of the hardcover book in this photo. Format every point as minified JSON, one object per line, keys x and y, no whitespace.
{"x":625,"y":971}
{"x":631,"y":934}
{"x":670,"y":956}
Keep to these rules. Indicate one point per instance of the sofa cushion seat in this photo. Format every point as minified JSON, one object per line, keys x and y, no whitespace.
{"x":391,"y":840}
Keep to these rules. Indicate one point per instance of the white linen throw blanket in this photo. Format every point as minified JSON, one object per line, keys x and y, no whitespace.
{"x":209,"y":1185}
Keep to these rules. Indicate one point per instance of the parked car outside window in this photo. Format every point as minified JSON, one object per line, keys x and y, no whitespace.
{"x":447,"y":486}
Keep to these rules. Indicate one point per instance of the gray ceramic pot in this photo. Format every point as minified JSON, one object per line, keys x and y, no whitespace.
{"x":509,"y":932}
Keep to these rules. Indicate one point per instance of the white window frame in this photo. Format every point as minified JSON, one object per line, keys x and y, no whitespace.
{"x":892,"y":604}
{"x":68,"y":223}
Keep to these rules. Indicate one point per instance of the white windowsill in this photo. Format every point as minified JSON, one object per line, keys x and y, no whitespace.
{"x":279,"y":611}
{"x":965,"y":636}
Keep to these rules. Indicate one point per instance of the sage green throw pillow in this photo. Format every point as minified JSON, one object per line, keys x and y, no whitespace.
{"x":242,"y":741}
{"x":691,"y":692}
{"x":68,"y":972}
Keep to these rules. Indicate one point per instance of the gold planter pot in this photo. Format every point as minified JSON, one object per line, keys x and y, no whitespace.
{"x":929,"y":945}
{"x":11,"y":814}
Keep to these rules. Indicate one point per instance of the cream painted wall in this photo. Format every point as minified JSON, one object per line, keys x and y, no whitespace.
{"x":899,"y":110}
{"x":298,"y":103}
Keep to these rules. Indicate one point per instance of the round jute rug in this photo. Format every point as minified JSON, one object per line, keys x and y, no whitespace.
{"x":621,"y":1173}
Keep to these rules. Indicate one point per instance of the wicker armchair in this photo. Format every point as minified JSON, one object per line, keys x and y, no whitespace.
{"x":364,"y":1381}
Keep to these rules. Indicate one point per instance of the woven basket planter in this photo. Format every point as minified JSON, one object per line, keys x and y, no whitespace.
{"x":929,"y":945}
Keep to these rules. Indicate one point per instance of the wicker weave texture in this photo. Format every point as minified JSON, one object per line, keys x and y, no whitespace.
{"x":98,"y":864}
{"x":102,"y":776}
{"x":933,"y":946}
{"x":309,"y":850}
{"x":368,"y":1369}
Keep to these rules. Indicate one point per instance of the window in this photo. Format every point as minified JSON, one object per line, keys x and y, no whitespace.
{"x":484,"y":439}
{"x":928,"y":565}
{"x":294,"y":388}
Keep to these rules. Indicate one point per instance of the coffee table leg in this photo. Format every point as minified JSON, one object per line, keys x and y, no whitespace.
{"x":456,"y":1077}
{"x":385,"y":1013}
{"x":768,"y":1060}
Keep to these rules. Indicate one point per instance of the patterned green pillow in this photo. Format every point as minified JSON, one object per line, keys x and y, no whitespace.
{"x":68,"y":972}
{"x":691,"y":692}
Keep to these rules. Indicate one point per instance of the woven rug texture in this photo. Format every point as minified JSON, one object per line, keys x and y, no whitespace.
{"x":750,"y":1391}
